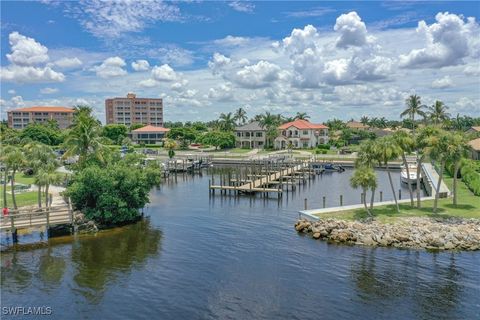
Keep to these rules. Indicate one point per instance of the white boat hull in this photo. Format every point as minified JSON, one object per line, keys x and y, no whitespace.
{"x":412,"y":179}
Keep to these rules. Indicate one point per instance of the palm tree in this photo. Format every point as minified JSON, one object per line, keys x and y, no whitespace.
{"x":414,"y":107}
{"x":270,"y":122}
{"x":457,"y":150}
{"x":407,"y":145}
{"x":422,"y":142}
{"x":438,"y":112}
{"x":14,"y":160}
{"x":302,"y":116}
{"x":388,"y":151}
{"x":227,"y":121}
{"x":364,"y":120}
{"x":365,"y":178}
{"x":47,"y":176}
{"x":438,"y":150}
{"x":84,"y":138}
{"x":368,"y":157}
{"x":39,"y":155}
{"x":241,"y":116}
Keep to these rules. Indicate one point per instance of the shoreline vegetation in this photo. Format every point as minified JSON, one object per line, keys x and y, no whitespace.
{"x":110,"y":178}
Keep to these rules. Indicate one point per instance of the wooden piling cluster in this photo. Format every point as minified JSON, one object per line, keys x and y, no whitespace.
{"x":264,"y":176}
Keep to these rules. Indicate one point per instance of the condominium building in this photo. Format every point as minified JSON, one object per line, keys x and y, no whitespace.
{"x":132,"y":110}
{"x":301,"y":134}
{"x":20,"y":118}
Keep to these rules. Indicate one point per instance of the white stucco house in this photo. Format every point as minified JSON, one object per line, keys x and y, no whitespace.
{"x":301,"y":134}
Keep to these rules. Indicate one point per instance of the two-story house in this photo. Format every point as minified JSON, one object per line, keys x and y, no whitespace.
{"x":301,"y":134}
{"x":251,"y":135}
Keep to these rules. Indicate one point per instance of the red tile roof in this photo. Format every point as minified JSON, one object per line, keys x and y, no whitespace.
{"x":150,"y":128}
{"x":302,"y":125}
{"x":44,"y":109}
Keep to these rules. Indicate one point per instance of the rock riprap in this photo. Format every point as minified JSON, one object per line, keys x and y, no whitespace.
{"x":428,"y":233}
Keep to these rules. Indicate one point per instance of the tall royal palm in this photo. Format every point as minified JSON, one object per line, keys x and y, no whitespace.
{"x":14,"y":160}
{"x":270,"y":122}
{"x":407,"y":145}
{"x":422,"y":142}
{"x":439,"y":147}
{"x":388,"y":150}
{"x":414,"y":107}
{"x":458,"y":149}
{"x":438,"y":112}
{"x":241,"y":116}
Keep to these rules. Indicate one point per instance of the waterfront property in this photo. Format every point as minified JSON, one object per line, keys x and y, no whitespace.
{"x":301,"y":134}
{"x":132,"y":110}
{"x":357,"y":125}
{"x":475,"y":149}
{"x":20,"y":118}
{"x":251,"y":135}
{"x":148,"y":135}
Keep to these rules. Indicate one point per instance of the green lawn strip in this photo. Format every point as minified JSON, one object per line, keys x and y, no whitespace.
{"x":468,"y":207}
{"x":23,"y":198}
{"x":238,"y":150}
{"x":22,"y":178}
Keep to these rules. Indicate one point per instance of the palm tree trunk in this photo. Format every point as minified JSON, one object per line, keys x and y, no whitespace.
{"x":435,"y":202}
{"x":365,"y":203}
{"x":455,"y":174}
{"x":5,"y":203}
{"x":419,"y":172}
{"x":372,"y":198}
{"x":393,"y":189}
{"x":47,"y":204}
{"x":12,"y":182}
{"x":39,"y":193}
{"x":408,"y":181}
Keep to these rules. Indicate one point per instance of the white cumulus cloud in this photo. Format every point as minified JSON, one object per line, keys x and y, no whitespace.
{"x":111,"y":67}
{"x":164,"y":73}
{"x":352,"y":29}
{"x":140,"y":65}
{"x":442,"y":83}
{"x":448,"y":42}
{"x":48,"y":90}
{"x":68,"y":63}
{"x":26,"y":51}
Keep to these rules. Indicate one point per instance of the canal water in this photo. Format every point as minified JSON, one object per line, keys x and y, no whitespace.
{"x":217,"y":257}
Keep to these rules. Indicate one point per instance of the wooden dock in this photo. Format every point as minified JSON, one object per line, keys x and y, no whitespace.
{"x":271,"y":179}
{"x":41,"y":217}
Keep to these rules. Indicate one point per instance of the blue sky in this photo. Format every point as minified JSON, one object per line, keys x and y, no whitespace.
{"x":330,"y":59}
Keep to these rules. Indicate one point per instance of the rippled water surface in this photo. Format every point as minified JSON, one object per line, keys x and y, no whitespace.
{"x":201,"y":257}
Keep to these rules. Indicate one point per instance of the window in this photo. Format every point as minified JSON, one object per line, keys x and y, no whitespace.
{"x":259,"y":134}
{"x":305,"y":132}
{"x":305,"y":144}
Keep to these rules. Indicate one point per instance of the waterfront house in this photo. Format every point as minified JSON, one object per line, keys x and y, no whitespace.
{"x":301,"y":134}
{"x":250,"y":135}
{"x":474,"y":130}
{"x":475,"y":149}
{"x":148,"y":135}
{"x":355,"y":125}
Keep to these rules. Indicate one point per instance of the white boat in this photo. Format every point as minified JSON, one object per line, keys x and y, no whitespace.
{"x":412,"y":170}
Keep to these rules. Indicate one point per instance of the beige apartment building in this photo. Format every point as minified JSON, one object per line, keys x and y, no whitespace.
{"x":20,"y":118}
{"x":132,"y":110}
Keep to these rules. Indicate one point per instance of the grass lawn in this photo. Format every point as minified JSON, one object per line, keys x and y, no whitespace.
{"x":23,"y":198}
{"x":239,"y":150}
{"x":21,"y":178}
{"x":468,"y":207}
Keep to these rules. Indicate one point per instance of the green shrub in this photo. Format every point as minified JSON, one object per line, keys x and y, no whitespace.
{"x":471,"y":176}
{"x":112,"y":195}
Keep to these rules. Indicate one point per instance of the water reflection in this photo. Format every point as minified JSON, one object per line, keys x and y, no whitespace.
{"x":121,"y":250}
{"x":393,"y":278}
